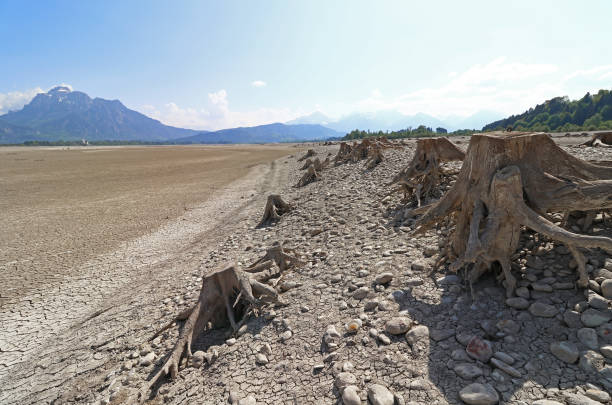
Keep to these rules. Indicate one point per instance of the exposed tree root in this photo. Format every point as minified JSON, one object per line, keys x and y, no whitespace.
{"x":603,"y":139}
{"x":275,"y":207}
{"x":509,"y":180}
{"x":375,"y":158}
{"x":226,"y":296}
{"x":308,"y":177}
{"x":424,"y":172}
{"x":308,"y":154}
{"x":366,"y":149}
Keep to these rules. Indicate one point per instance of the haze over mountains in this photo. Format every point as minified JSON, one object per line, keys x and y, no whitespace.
{"x":391,"y":120}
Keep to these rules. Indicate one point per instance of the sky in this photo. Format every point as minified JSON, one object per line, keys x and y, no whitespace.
{"x":219,"y":64}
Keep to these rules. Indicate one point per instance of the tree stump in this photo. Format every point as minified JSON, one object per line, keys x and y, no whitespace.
{"x":308,"y":177}
{"x":275,"y":207}
{"x":308,"y":154}
{"x":423,"y":173}
{"x":224,"y":297}
{"x":509,"y":180}
{"x":376,"y":157}
{"x":603,"y":139}
{"x":307,"y":164}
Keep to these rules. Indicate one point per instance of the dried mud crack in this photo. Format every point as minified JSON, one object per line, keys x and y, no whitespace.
{"x":368,"y":318}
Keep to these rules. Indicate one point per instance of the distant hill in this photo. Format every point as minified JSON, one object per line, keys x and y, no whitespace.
{"x":560,"y":114}
{"x":62,"y":114}
{"x":392,"y":120}
{"x":264,"y":134}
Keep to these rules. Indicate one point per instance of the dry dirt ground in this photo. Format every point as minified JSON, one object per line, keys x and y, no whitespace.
{"x":86,"y":341}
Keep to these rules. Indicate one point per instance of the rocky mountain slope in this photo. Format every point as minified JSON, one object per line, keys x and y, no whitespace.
{"x":366,"y":319}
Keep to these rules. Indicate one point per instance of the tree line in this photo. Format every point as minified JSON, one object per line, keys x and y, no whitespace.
{"x":420,"y":132}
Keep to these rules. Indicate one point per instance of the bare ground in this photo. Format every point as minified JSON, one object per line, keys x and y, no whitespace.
{"x":85,"y":341}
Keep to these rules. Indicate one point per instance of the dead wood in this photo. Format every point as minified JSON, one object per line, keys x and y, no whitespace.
{"x":603,"y":139}
{"x":510,"y":180}
{"x":308,"y":177}
{"x":368,"y":148}
{"x":226,"y":296}
{"x":375,"y":158}
{"x":424,"y":172}
{"x":307,"y":164}
{"x":308,"y":154}
{"x":275,"y":207}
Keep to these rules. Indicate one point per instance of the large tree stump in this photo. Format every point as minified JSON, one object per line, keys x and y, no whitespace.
{"x":603,"y":139}
{"x":308,"y":154}
{"x":374,"y":159}
{"x":308,"y":177}
{"x":275,"y":207}
{"x":509,"y":180}
{"x":423,"y":173}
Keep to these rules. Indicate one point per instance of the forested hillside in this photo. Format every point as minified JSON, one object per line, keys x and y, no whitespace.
{"x":560,"y":114}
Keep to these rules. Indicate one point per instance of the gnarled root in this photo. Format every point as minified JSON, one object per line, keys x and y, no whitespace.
{"x":310,"y":176}
{"x":225,"y":294}
{"x":510,"y":181}
{"x":275,"y":207}
{"x":424,"y":172}
{"x":308,"y":154}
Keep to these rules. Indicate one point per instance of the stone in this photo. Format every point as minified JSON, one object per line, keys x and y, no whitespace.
{"x":344,"y":379}
{"x":419,"y":333}
{"x":350,"y":396}
{"x":506,"y":368}
{"x":542,"y":310}
{"x":541,"y":287}
{"x":605,"y":332}
{"x":370,"y":305}
{"x":508,"y":326}
{"x":546,"y":402}
{"x":249,"y":400}
{"x":398,"y":325}
{"x":380,"y":395}
{"x":198,"y":359}
{"x":517,"y":303}
{"x":468,"y":371}
{"x":479,"y":394}
{"x":441,"y":334}
{"x":449,"y":279}
{"x":588,"y":337}
{"x":606,"y":351}
{"x":384,"y":278}
{"x":286,"y":335}
{"x":506,"y":358}
{"x":572,"y":319}
{"x":383,"y":339}
{"x":598,"y":395}
{"x":261,"y":359}
{"x":353,"y":326}
{"x":147,"y":360}
{"x":597,"y":301}
{"x":591,"y":361}
{"x":578,"y":399}
{"x":592,"y":318}
{"x":230,"y":342}
{"x":479,"y":349}
{"x":523,"y":292}
{"x":606,"y":288}
{"x":565,"y":351}
{"x":361,"y":293}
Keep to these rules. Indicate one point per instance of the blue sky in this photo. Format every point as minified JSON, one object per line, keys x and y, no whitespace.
{"x":210,"y":65}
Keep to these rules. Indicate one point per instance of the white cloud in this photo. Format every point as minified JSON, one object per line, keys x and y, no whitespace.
{"x":259,"y":83}
{"x":15,"y":100}
{"x":217,"y":114}
{"x":500,"y":85}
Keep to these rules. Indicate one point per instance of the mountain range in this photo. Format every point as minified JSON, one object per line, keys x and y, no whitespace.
{"x":391,"y":120}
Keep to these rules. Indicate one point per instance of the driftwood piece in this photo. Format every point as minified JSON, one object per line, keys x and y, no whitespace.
{"x":423,"y":173}
{"x":275,"y":207}
{"x":308,"y":177}
{"x":509,"y":180}
{"x":603,"y":139}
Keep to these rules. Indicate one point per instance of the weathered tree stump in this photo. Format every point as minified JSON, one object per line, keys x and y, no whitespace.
{"x":423,"y":173}
{"x":275,"y":207}
{"x":307,"y":164}
{"x":310,"y":176}
{"x":376,"y":157}
{"x":308,"y":154}
{"x":509,"y":180}
{"x":225,"y":296}
{"x":603,"y":139}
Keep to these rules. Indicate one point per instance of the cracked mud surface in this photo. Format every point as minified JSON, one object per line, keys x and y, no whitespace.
{"x":349,"y":239}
